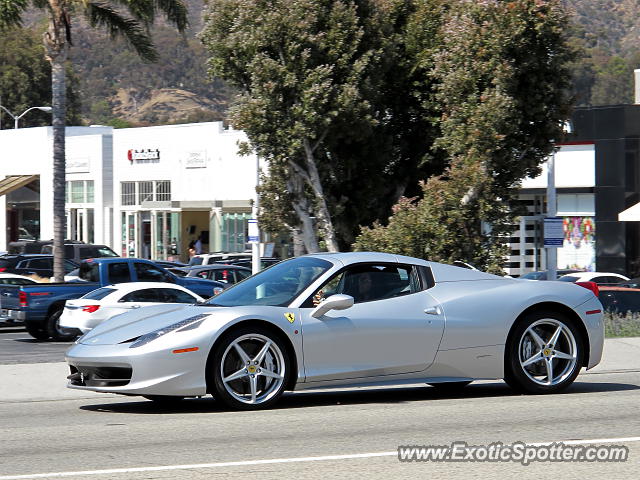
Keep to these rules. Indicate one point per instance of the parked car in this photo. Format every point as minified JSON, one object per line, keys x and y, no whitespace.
{"x":343,"y":320}
{"x":599,"y":278}
{"x":209,"y":258}
{"x":41,"y":305}
{"x":104,"y":303}
{"x":82,"y":251}
{"x":228,"y":274}
{"x":542,"y":274}
{"x":265,"y":262}
{"x":620,"y":299}
{"x":11,"y":279}
{"x":31,"y":246}
{"x":33,"y":264}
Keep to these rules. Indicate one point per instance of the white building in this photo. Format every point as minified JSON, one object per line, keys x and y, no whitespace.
{"x":575,"y":180}
{"x":146,"y":192}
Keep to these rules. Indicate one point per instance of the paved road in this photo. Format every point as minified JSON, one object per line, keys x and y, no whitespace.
{"x":47,"y":429}
{"x":17,"y":346}
{"x":105,"y":432}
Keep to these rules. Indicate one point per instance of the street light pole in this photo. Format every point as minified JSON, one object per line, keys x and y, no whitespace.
{"x":16,"y":118}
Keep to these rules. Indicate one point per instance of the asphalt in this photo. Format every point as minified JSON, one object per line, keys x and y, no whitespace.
{"x":54,"y":432}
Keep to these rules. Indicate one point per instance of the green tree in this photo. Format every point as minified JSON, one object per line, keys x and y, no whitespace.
{"x":25,"y":80}
{"x":130,"y":20}
{"x":301,"y":67}
{"x":501,"y":85}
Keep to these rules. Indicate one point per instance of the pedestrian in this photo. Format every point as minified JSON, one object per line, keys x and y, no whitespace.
{"x":192,"y":248}
{"x":198,"y":245}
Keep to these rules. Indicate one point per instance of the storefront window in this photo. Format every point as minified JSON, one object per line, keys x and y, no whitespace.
{"x":128,"y":193}
{"x":77,"y":191}
{"x":234,"y":232}
{"x":90,"y":196}
{"x":163,"y":191}
{"x":145,"y":192}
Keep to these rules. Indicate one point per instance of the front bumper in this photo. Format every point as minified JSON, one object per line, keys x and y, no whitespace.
{"x":141,"y":371}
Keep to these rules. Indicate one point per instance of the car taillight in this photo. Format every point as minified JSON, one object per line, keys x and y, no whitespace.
{"x":3,"y":269}
{"x":90,"y":308}
{"x":22,"y":298}
{"x":590,"y":286}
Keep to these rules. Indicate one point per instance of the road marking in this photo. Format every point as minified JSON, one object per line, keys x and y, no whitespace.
{"x":276,"y":460}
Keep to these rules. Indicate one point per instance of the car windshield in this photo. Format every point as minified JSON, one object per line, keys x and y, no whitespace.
{"x":99,"y":293}
{"x":275,"y":286}
{"x":568,"y":278}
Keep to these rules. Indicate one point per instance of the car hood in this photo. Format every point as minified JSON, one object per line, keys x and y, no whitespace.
{"x":141,"y":321}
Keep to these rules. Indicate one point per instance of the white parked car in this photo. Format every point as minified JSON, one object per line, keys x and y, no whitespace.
{"x":13,"y":279}
{"x":103,"y":303}
{"x":601,"y":278}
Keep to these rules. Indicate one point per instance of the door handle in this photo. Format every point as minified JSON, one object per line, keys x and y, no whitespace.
{"x":135,"y":306}
{"x":432,"y":311}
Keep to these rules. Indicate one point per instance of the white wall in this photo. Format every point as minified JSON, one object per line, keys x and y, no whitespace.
{"x":575,"y":167}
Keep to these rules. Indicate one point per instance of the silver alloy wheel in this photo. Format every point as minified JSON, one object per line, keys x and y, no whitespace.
{"x":252,"y":369}
{"x":548,"y":352}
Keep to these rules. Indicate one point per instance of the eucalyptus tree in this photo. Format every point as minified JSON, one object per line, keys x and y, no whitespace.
{"x":129,"y":19}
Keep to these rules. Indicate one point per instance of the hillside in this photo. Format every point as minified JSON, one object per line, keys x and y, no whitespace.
{"x":115,"y":86}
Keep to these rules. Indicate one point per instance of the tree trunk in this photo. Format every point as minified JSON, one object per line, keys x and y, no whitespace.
{"x":322,"y":210}
{"x":298,"y":242}
{"x":55,"y":45}
{"x":295,"y":185}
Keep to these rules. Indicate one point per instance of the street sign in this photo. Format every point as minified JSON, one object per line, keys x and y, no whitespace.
{"x":254,"y":233}
{"x":553,"y":232}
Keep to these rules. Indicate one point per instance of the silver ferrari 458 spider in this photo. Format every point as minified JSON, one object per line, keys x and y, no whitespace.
{"x":346,"y":319}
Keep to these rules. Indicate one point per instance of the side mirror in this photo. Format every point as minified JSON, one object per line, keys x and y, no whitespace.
{"x":334,"y":302}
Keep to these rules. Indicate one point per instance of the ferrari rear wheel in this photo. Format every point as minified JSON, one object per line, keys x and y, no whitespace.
{"x":250,"y":368}
{"x":544,"y":355}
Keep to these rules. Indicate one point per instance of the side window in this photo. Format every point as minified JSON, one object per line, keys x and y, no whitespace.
{"x":171,"y":295}
{"x":68,"y":266}
{"x":146,"y":295}
{"x":241,"y":275}
{"x":119,"y":272}
{"x":41,"y":263}
{"x":367,"y":283}
{"x":149,"y":273}
{"x":68,"y":251}
{"x":600,"y":280}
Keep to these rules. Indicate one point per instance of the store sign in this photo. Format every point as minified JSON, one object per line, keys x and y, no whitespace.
{"x":553,"y":232}
{"x":144,"y":156}
{"x":254,"y":232}
{"x":196,"y":159}
{"x":77,"y":165}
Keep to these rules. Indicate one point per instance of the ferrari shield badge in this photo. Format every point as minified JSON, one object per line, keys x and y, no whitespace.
{"x":290,"y":316}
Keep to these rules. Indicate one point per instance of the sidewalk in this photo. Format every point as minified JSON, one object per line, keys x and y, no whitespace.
{"x":47,"y":381}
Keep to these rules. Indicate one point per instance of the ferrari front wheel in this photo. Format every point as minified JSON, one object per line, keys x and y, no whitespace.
{"x":249,"y":368}
{"x":544,"y":354}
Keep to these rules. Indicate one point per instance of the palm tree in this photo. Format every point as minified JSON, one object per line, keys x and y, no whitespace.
{"x":130,"y":19}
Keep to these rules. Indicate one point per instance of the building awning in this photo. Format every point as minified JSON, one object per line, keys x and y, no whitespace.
{"x":14,"y":182}
{"x":631,"y":214}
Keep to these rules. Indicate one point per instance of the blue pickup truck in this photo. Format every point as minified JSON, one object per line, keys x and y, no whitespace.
{"x":40,"y":305}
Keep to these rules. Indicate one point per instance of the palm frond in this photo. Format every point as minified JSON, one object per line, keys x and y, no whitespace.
{"x":11,"y":13}
{"x":175,"y":11}
{"x":101,"y":14}
{"x":142,"y":10}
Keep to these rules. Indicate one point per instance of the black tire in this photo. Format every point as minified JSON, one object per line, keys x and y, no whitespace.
{"x":532,"y":378}
{"x":58,"y":333}
{"x":164,"y":400}
{"x":450,"y":387}
{"x":271,"y":391}
{"x":37,"y":331}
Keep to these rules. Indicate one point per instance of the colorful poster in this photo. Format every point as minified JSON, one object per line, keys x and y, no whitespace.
{"x":578,"y":250}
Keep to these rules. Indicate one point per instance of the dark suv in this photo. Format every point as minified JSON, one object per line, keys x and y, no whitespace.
{"x":81,"y":251}
{"x":32,"y":264}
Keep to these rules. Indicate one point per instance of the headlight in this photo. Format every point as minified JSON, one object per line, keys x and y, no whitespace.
{"x":186,"y":324}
